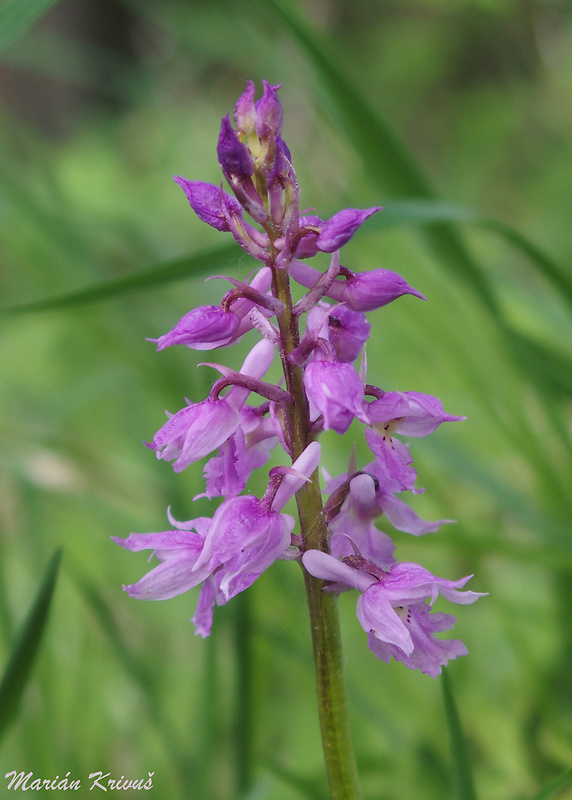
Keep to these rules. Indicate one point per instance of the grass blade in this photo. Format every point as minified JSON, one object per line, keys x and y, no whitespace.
{"x":560,"y":782}
{"x":139,"y":674}
{"x":188,"y":266}
{"x":387,"y":162}
{"x":16,"y":16}
{"x":463,"y":783}
{"x":19,"y":668}
{"x":385,"y":159}
{"x":426,"y":212}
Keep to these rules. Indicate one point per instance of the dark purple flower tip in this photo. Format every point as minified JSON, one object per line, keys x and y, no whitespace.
{"x":268,"y":113}
{"x":205,"y":325}
{"x":206,"y":201}
{"x":244,"y":111}
{"x":367,"y":291}
{"x":340,"y":228}
{"x":233,"y":156}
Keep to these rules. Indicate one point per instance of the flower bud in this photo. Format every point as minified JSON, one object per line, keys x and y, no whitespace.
{"x":244,"y":111}
{"x":268,"y":113}
{"x":203,"y":328}
{"x":367,"y":291}
{"x":233,"y":156}
{"x":340,"y":228}
{"x":206,"y":200}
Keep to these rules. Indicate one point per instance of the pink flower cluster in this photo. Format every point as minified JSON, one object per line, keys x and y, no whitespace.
{"x":246,"y":534}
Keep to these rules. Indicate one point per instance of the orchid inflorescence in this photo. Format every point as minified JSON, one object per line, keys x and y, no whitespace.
{"x":321,"y":389}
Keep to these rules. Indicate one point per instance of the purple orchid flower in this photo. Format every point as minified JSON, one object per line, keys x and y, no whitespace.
{"x":249,"y":448}
{"x":335,"y":391}
{"x":407,"y":413}
{"x":392,"y":609}
{"x":353,"y":526}
{"x":363,"y":291}
{"x":228,"y":553}
{"x":203,"y":328}
{"x":319,"y":236}
{"x":206,"y":200}
{"x":195,"y":431}
{"x":346,"y":330}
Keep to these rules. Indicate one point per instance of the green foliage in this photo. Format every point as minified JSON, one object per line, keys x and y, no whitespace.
{"x":21,"y":660}
{"x":456,"y":118}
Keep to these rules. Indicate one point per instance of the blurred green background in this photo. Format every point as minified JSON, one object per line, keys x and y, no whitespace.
{"x":455,"y":115}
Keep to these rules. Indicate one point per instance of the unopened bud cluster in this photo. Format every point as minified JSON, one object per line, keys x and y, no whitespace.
{"x":245,"y":417}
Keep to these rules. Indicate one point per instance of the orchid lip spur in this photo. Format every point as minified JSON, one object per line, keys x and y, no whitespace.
{"x":244,"y":418}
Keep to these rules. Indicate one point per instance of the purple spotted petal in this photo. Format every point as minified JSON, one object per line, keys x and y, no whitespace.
{"x":376,"y":615}
{"x":418,"y":414}
{"x":429,"y":654}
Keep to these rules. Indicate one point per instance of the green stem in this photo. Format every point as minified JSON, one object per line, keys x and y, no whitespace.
{"x":331,"y":692}
{"x":323,"y":608}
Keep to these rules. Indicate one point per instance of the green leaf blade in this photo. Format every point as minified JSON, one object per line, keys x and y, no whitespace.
{"x":463,"y":782}
{"x":19,"y":667}
{"x":200,"y":263}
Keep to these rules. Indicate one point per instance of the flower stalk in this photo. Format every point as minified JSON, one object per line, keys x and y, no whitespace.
{"x":337,"y":545}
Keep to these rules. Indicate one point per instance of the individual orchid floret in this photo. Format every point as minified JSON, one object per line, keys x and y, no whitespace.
{"x":203,"y":328}
{"x":315,"y":235}
{"x":245,"y":112}
{"x":195,"y":431}
{"x":234,"y":157}
{"x":268,"y":122}
{"x":335,"y":391}
{"x":363,"y":501}
{"x":408,"y":413}
{"x":340,"y":228}
{"x":228,"y":552}
{"x":392,"y":607}
{"x":207,"y":200}
{"x":347,"y":331}
{"x":249,"y":448}
{"x":362,"y":291}
{"x":367,"y":291}
{"x":178,"y":551}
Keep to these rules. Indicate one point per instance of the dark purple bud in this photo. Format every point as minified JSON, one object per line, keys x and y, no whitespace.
{"x":206,"y":201}
{"x":268,"y":113}
{"x":233,"y":156}
{"x":367,"y":291}
{"x":202,"y":328}
{"x":244,"y":111}
{"x":340,"y":228}
{"x":348,"y":331}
